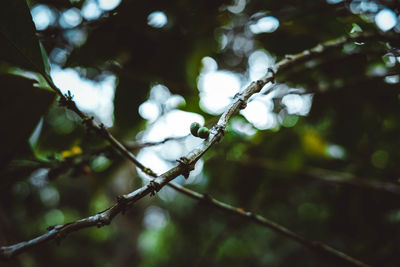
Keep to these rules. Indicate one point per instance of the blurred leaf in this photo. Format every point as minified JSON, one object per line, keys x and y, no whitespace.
{"x":19,"y":44}
{"x":21,"y":106}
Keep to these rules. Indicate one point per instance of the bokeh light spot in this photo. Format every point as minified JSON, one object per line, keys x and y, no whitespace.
{"x":107,"y":5}
{"x":217,"y":89}
{"x":42,"y":16}
{"x":149,"y":110}
{"x":54,"y":217}
{"x":70,"y":18}
{"x":90,"y":96}
{"x":49,"y":196}
{"x":266,"y":24}
{"x":91,"y":10}
{"x":386,"y":19}
{"x":259,"y":62}
{"x":258,"y":114}
{"x":157,"y":19}
{"x":154,"y":217}
{"x":297,"y":104}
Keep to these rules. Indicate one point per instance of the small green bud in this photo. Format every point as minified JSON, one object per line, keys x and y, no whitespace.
{"x":203,"y":132}
{"x":194,"y":127}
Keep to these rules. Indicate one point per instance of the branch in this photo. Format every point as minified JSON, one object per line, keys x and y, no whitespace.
{"x":325,"y":175}
{"x":315,"y":246}
{"x":350,"y":179}
{"x":186,"y":164}
{"x":140,"y":145}
{"x":67,"y":101}
{"x":110,"y":149}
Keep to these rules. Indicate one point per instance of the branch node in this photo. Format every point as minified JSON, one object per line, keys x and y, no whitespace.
{"x":219,"y":131}
{"x":88,"y":121}
{"x":186,"y":166}
{"x":260,"y":83}
{"x":271,"y":70}
{"x":66,"y":100}
{"x":122,"y":201}
{"x":240,"y":97}
{"x":102,"y":222}
{"x":154,"y":187}
{"x":90,"y":126}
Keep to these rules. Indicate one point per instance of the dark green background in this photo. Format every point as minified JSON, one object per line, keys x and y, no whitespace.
{"x":273,"y":173}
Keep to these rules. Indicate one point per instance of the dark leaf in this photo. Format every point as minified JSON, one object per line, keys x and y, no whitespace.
{"x":21,"y":106}
{"x":19,"y":44}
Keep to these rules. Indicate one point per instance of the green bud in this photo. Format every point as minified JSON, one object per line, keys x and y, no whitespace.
{"x":194,"y":127}
{"x":203,"y":132}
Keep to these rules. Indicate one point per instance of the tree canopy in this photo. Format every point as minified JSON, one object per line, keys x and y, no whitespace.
{"x":298,"y":164}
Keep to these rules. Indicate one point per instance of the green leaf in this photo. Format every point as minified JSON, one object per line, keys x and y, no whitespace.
{"x":18,"y":42}
{"x":21,"y":106}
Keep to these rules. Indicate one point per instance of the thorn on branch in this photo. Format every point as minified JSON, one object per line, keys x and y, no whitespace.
{"x":186,"y":166}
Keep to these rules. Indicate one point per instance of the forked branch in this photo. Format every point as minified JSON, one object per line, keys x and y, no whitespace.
{"x":186,"y":164}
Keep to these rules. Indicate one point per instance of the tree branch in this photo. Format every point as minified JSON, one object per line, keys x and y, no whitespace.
{"x":186,"y":164}
{"x":350,"y":179}
{"x":324,"y":175}
{"x":67,"y":101}
{"x":315,"y":246}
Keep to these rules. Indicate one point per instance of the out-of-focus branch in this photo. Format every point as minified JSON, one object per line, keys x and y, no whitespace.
{"x":350,"y":179}
{"x":140,"y":145}
{"x":324,"y":175}
{"x":186,"y":164}
{"x":129,"y":146}
{"x":315,"y":246}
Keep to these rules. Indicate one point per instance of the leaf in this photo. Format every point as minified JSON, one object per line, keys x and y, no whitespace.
{"x":18,"y":42}
{"x":21,"y":106}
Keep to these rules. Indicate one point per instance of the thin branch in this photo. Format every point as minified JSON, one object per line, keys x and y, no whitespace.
{"x":186,"y":164}
{"x":140,"y":145}
{"x":350,"y":179}
{"x":315,"y":246}
{"x":67,"y":101}
{"x":109,"y":149}
{"x":329,"y":176}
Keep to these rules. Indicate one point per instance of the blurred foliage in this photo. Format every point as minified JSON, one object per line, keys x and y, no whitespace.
{"x":63,"y":172}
